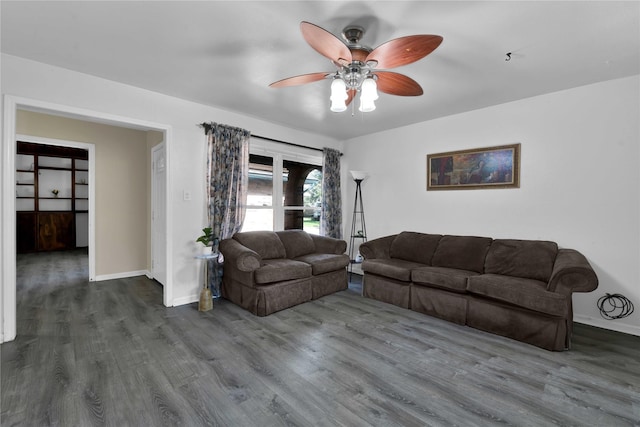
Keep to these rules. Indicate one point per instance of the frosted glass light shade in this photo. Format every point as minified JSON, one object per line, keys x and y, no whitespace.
{"x":359,"y":175}
{"x":338,"y":95}
{"x":369,"y":90}
{"x":338,"y":106}
{"x":369,"y":93}
{"x":366,"y":106}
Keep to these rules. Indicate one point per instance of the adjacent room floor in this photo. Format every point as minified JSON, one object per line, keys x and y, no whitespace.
{"x":110,"y":353}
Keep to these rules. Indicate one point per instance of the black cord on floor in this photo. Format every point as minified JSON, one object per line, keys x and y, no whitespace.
{"x":614,"y":306}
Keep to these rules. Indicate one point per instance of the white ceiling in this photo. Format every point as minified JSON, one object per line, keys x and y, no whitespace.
{"x":225,"y":53}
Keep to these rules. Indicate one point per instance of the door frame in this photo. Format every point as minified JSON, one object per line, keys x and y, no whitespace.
{"x":154,"y":256}
{"x":8,"y":241}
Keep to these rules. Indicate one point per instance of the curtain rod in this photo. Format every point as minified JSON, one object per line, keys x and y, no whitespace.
{"x":207,"y":126}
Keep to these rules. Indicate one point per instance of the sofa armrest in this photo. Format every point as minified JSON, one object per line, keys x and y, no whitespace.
{"x":329,"y":245}
{"x":377,"y":248}
{"x":243,"y":258}
{"x":572,"y":273}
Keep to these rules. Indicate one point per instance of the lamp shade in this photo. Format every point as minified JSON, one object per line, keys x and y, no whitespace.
{"x":366,"y":106}
{"x":359,"y":175}
{"x":369,"y":90}
{"x":338,"y":95}
{"x":369,"y":93}
{"x":338,"y":106}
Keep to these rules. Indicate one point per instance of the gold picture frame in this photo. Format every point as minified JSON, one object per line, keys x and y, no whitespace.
{"x":477,"y":168}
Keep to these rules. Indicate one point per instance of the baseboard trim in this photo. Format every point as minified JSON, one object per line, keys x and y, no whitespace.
{"x":122,"y":275}
{"x":612,"y":325}
{"x":189,"y":299}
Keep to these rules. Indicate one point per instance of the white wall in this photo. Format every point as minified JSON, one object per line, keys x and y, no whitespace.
{"x":33,"y":80}
{"x":579,"y":182}
{"x":123,"y":173}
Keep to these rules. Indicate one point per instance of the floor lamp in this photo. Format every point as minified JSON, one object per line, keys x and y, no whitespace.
{"x":357,"y":233}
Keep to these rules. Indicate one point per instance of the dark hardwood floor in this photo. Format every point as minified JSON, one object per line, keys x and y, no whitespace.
{"x":110,"y":353}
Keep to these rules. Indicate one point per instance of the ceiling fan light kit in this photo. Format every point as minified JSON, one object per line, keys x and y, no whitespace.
{"x":357,"y":65}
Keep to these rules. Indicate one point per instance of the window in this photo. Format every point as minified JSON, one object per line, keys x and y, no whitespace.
{"x":291,"y":202}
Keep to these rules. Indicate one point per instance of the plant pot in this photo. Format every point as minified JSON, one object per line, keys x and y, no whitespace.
{"x":207,"y":250}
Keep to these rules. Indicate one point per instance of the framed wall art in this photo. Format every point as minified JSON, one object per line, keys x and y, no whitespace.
{"x":478,"y":168}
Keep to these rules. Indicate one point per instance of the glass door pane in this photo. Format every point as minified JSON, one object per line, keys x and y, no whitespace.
{"x":259,"y":214}
{"x":302,"y":190}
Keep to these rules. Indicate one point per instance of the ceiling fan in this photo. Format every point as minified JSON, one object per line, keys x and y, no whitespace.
{"x":362,"y":69}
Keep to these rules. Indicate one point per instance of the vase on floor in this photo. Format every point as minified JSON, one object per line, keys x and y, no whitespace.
{"x":206,"y":300}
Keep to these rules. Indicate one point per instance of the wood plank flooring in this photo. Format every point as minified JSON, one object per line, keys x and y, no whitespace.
{"x":110,"y":353}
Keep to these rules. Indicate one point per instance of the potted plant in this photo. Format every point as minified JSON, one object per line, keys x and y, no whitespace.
{"x":207,"y":239}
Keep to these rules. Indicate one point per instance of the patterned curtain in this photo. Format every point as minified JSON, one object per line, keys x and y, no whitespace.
{"x":331,"y":216}
{"x":227,"y":178}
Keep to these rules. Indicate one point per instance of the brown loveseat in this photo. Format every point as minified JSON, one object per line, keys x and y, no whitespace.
{"x":266,"y":271}
{"x":515,"y":288}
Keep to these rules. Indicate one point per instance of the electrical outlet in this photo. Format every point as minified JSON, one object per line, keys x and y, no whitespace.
{"x":186,"y":195}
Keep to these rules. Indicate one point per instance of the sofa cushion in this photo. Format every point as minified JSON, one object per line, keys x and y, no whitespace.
{"x":526,"y":293}
{"x":448,"y":278}
{"x":280,"y":270}
{"x":328,"y":245}
{"x":325,"y":263}
{"x":296,"y":243}
{"x":267,"y":244}
{"x":393,"y":268}
{"x":416,"y":247}
{"x":530,"y":259}
{"x":461,"y":252}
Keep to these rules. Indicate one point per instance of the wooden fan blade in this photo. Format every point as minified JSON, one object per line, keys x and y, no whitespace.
{"x":299,"y":80}
{"x":325,"y":43}
{"x":404,"y":50}
{"x":397,"y":84}
{"x":350,"y":95}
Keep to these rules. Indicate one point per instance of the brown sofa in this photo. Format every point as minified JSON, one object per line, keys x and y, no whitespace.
{"x":520,"y":289}
{"x":266,"y":271}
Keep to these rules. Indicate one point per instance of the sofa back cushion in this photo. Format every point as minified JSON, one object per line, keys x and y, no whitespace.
{"x":415,"y":247}
{"x":529,"y":259}
{"x":266,"y":243}
{"x":296,"y":243}
{"x":461,"y":252}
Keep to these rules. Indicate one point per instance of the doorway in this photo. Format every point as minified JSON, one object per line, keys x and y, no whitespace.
{"x":11,"y":106}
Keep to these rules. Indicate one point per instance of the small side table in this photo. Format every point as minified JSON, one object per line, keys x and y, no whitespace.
{"x":206,"y":299}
